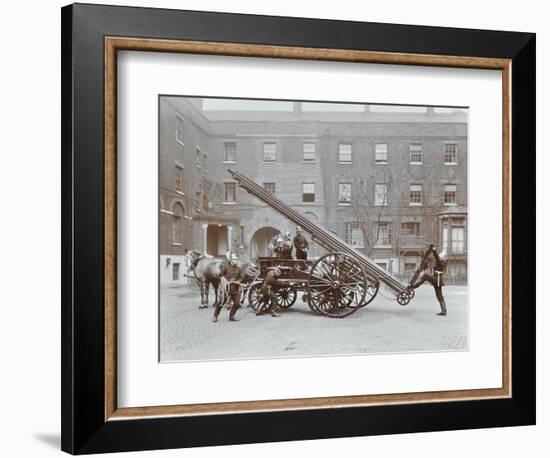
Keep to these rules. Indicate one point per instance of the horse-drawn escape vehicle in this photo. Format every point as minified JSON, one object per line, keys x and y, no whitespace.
{"x":336,"y":284}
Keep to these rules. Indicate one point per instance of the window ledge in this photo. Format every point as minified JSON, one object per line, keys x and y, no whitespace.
{"x":344,"y":204}
{"x":309,"y":162}
{"x":345,"y":162}
{"x":229,"y":162}
{"x":382,"y":246}
{"x":451,"y":163}
{"x":449,"y":204}
{"x":381,"y":163}
{"x":415,"y":204}
{"x":229,"y":203}
{"x":415,"y":163}
{"x":176,"y":244}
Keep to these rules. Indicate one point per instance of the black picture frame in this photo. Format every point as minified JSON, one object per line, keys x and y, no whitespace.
{"x":84,"y":427}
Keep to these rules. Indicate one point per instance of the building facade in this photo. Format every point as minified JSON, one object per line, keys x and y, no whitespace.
{"x":388,"y":180}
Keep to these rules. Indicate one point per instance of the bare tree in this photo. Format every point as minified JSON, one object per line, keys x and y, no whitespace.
{"x":370,"y":205}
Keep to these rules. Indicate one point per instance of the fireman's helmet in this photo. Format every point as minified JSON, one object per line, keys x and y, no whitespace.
{"x":443,"y":255}
{"x":232,"y":257}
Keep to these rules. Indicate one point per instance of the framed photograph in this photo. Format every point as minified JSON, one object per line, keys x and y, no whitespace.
{"x":283,"y":228}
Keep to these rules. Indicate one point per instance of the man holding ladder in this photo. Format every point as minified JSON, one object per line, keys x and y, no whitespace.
{"x":436,"y":279}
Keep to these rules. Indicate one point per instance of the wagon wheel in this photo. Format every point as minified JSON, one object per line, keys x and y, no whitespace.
{"x":255,"y":297}
{"x":373,"y":286}
{"x":337,"y":285}
{"x":403,"y":298}
{"x":315,"y":303}
{"x":286,"y":297}
{"x":411,"y":293}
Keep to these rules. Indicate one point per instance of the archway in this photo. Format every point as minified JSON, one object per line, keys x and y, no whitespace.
{"x":259,"y":244}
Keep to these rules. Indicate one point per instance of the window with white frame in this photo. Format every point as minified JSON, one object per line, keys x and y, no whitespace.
{"x":309,"y":152}
{"x":345,"y":153}
{"x":415,"y":153}
{"x":381,"y":153}
{"x":269,"y":187}
{"x":453,"y":230}
{"x":445,"y":236}
{"x":179,"y":130}
{"x":270,"y":152}
{"x":457,"y":240}
{"x":450,"y":153}
{"x":415,"y":194}
{"x":308,"y":192}
{"x":382,"y":234}
{"x":230,"y":151}
{"x":380,"y":194}
{"x":179,"y":178}
{"x":410,"y":228}
{"x":353,"y":234}
{"x":344,"y":193}
{"x":449,"y":194}
{"x":230,"y":190}
{"x":177,"y":224}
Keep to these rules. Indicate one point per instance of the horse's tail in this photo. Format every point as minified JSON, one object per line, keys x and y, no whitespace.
{"x":223,"y":291}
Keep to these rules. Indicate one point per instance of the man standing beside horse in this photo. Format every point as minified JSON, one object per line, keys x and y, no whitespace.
{"x":230,"y":287}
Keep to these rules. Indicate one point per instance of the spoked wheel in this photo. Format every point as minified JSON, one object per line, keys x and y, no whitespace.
{"x":286,"y":297}
{"x":373,"y":286}
{"x":411,"y":293}
{"x":403,"y":298}
{"x":255,"y":297}
{"x":315,"y":303}
{"x":337,"y":285}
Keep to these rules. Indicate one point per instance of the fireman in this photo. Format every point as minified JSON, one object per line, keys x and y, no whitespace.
{"x":436,"y":279}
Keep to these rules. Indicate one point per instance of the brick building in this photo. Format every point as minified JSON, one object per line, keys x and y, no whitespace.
{"x":389,"y":180}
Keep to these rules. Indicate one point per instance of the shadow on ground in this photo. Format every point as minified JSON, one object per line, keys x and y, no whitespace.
{"x":53,"y":440}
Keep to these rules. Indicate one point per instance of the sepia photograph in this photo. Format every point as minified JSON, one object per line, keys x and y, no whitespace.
{"x":293,"y":228}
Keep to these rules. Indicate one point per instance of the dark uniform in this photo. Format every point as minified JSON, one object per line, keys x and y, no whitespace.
{"x":436,"y":280}
{"x":233,"y":275}
{"x":301,"y":245}
{"x":269,"y":285}
{"x":282,"y":247}
{"x":286,"y":251}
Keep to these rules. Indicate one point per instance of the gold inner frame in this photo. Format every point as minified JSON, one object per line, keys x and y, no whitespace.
{"x":114,"y":44}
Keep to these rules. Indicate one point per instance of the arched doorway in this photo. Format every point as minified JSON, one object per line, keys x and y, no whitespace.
{"x":260,"y":241}
{"x":216,"y":236}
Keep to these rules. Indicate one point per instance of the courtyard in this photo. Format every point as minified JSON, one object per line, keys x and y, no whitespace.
{"x":383,"y":326}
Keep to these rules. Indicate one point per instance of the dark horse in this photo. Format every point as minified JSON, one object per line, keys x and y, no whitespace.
{"x":206,"y":270}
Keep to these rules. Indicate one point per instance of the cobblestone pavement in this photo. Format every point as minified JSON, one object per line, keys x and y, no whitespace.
{"x":187,"y":332}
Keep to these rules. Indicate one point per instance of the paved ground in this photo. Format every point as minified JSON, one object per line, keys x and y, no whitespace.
{"x":187,"y":332}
